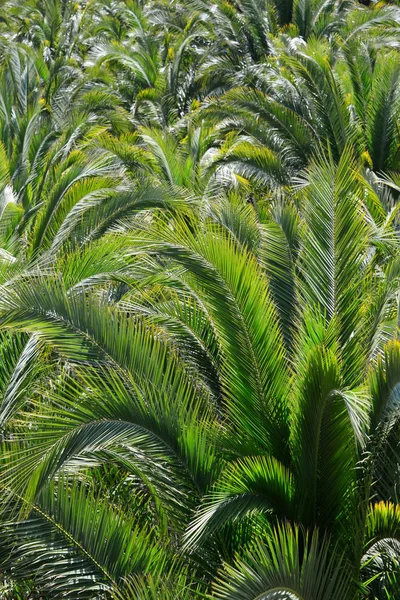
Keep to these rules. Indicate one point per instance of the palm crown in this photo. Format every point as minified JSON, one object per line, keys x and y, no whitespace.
{"x":199,"y":271}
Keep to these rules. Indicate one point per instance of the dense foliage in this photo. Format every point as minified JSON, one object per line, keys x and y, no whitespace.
{"x":199,"y":299}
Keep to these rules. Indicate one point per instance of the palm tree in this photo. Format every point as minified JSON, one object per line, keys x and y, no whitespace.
{"x":199,"y":308}
{"x":235,"y":432}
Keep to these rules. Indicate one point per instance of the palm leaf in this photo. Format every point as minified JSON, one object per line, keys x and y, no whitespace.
{"x":276,"y":569}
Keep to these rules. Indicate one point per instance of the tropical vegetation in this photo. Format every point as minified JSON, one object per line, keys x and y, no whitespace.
{"x":199,"y":299}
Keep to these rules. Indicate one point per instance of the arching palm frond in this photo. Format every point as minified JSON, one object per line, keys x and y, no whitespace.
{"x":74,"y":545}
{"x":276,"y":570}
